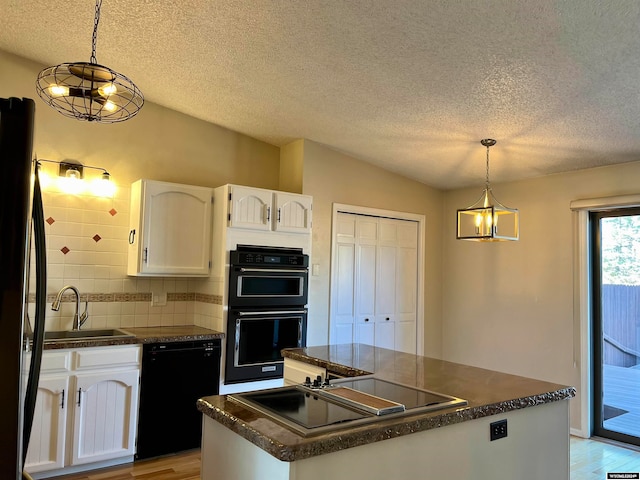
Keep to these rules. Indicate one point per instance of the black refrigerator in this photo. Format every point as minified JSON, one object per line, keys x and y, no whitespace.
{"x":21,"y":232}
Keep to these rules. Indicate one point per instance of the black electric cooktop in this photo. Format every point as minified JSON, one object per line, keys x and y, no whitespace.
{"x":310,"y":410}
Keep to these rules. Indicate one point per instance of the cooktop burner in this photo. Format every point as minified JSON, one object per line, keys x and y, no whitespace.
{"x":311,"y":410}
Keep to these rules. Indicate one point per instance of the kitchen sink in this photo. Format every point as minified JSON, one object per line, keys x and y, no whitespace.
{"x":67,"y":335}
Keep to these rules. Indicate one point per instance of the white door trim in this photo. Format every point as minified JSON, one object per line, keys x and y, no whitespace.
{"x":377,"y":212}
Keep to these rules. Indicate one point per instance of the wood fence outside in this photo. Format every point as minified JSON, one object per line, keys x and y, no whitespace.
{"x":621,"y":324}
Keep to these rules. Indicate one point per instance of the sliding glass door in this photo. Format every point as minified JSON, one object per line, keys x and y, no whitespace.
{"x":615,"y":269}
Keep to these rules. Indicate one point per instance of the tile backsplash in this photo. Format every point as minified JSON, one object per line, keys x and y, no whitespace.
{"x":86,"y":239}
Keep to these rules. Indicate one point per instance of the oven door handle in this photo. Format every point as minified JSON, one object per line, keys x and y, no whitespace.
{"x":272,"y":312}
{"x":272,"y":270}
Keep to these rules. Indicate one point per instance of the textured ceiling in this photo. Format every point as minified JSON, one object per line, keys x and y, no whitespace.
{"x":411,"y":86}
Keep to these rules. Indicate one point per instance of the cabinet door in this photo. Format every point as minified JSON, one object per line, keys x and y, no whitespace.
{"x":250,"y":208}
{"x":293,"y":213}
{"x":47,"y":443}
{"x":105,"y":415}
{"x":176,"y":229}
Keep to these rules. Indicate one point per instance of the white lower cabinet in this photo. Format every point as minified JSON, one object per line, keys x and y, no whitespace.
{"x":104,"y":422}
{"x":47,"y":443}
{"x":89,"y":414}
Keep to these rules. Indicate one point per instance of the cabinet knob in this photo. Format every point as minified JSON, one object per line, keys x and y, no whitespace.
{"x":366,"y":319}
{"x":132,"y":237}
{"x":387,"y":319}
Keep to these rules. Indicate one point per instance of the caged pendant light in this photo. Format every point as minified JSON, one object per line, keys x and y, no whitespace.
{"x":89,"y":91}
{"x":487,"y":220}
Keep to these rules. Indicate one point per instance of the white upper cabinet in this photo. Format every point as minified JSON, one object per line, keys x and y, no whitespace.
{"x":292,"y":212}
{"x":250,"y":208}
{"x":268,"y":210}
{"x":170,"y":229}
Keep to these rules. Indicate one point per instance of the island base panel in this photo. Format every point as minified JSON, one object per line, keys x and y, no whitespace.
{"x":536,"y":448}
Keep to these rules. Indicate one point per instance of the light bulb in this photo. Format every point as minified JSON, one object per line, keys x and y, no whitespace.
{"x":110,"y":106}
{"x":45,"y":180}
{"x":70,"y":184}
{"x":73,"y":173}
{"x":489,"y":220}
{"x":103,"y":186}
{"x":58,"y":90}
{"x":107,"y":90}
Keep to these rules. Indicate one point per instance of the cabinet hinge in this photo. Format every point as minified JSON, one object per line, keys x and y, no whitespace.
{"x":229,"y":217}
{"x":210,"y":264}
{"x":229,"y":196}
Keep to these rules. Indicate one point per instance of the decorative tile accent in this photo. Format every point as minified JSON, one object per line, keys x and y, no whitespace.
{"x":132,"y":297}
{"x":65,"y":250}
{"x":50,"y":221}
{"x":113,"y":212}
{"x":207,"y":298}
{"x":181,"y":297}
{"x":97,"y":238}
{"x":101,"y":297}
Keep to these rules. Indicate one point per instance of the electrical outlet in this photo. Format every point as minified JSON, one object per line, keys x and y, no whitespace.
{"x":159,"y":299}
{"x":498,"y":429}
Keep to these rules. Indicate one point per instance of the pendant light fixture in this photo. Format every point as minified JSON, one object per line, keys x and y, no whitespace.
{"x":89,"y":91}
{"x":487,"y":220}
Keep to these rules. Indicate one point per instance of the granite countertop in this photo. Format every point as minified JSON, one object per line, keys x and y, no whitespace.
{"x":487,"y":393}
{"x":141,"y":335}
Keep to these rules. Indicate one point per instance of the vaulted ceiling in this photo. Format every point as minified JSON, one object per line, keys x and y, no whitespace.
{"x":411,"y":86}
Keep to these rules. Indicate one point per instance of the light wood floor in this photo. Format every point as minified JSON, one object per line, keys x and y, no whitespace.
{"x":590,"y":460}
{"x":184,"y":466}
{"x":593,"y":459}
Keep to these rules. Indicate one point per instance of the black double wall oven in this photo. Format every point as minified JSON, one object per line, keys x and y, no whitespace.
{"x":267,"y":310}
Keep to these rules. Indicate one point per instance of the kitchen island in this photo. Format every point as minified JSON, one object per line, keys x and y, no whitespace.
{"x":240,"y":442}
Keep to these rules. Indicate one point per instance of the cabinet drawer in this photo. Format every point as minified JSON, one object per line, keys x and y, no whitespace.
{"x":55,"y":362}
{"x":91,"y":358}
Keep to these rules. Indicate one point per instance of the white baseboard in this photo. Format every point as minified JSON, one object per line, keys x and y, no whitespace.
{"x":579,"y":433}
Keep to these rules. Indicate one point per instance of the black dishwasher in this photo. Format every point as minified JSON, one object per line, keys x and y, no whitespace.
{"x":174,"y":376}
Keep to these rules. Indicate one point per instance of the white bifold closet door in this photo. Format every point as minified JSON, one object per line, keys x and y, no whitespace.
{"x":375,"y":280}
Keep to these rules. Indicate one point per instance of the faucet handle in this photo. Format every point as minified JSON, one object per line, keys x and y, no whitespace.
{"x":85,"y":315}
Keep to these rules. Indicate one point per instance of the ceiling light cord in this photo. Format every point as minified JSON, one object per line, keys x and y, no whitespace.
{"x":486,"y":181}
{"x":94,"y":37}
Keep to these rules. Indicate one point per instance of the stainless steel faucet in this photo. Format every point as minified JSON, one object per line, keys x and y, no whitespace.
{"x":78,"y":320}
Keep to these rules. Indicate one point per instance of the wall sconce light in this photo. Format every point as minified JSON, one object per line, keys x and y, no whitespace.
{"x":479,"y":222}
{"x":71,"y":179}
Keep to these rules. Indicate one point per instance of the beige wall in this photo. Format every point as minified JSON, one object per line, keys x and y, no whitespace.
{"x":332,"y":177}
{"x":509,"y":306}
{"x":292,"y":166}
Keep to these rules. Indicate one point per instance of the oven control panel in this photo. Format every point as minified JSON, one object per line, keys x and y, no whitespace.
{"x":276,"y":258}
